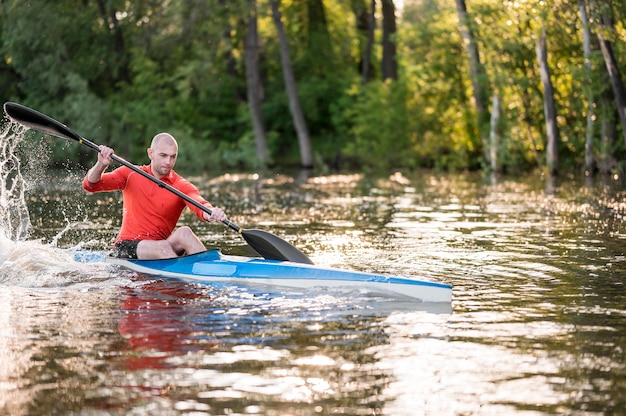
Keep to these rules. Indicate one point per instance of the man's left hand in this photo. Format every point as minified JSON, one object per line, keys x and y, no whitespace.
{"x":217,"y":215}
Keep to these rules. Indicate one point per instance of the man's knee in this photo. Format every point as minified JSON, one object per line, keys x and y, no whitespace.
{"x":185,"y":232}
{"x":181,"y":236}
{"x":184,"y":240}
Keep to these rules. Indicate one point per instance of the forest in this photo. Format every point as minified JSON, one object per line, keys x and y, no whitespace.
{"x":507,"y":86}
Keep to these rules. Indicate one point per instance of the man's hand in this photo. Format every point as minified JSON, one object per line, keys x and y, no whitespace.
{"x":104,"y":160}
{"x":104,"y":156}
{"x":217,"y":215}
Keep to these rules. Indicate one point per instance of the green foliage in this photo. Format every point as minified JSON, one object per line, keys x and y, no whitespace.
{"x":381,"y":127}
{"x":121,"y":74}
{"x":240,"y":154}
{"x":443,"y":120}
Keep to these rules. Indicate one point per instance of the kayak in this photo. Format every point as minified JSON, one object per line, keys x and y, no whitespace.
{"x":214,"y":266}
{"x":282,"y":265}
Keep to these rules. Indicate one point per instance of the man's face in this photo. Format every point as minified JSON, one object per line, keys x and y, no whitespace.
{"x":163,"y":158}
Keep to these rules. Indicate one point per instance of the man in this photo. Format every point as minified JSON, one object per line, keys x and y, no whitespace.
{"x":150,"y":213}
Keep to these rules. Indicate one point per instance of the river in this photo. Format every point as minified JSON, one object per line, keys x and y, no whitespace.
{"x":537,"y":323}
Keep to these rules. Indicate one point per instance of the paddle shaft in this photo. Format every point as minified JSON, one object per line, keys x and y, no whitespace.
{"x":122,"y":161}
{"x":267,"y":244}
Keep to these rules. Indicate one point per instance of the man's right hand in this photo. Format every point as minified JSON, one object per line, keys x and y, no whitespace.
{"x":104,"y":160}
{"x":104,"y":156}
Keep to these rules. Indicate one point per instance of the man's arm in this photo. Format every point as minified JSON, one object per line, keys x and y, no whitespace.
{"x":186,"y":187}
{"x":104,"y":160}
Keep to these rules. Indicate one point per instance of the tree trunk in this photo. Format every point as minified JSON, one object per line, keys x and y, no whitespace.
{"x":389,"y":64}
{"x":254,"y":86}
{"x":477,"y":76}
{"x":608,"y":132}
{"x":368,"y":25}
{"x":306,"y":153}
{"x":229,"y":57}
{"x":615,"y":76}
{"x":494,"y":134}
{"x":590,"y":163}
{"x":528,"y":117}
{"x":110,"y":16}
{"x":549,"y":109}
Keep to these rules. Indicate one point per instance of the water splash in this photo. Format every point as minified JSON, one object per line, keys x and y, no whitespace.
{"x":14,"y":218}
{"x":24,"y":262}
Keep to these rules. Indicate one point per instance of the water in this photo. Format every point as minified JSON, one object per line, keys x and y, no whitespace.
{"x":537,"y":324}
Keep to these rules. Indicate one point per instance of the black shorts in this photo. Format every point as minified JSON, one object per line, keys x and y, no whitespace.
{"x":125,"y":249}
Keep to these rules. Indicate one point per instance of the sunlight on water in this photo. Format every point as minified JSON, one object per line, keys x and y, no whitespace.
{"x":536,"y":325}
{"x":480,"y":376}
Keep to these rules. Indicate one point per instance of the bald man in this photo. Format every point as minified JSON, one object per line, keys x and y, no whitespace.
{"x":150,"y":212}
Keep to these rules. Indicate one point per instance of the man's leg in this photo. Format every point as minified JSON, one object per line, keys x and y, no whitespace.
{"x":182,"y":241}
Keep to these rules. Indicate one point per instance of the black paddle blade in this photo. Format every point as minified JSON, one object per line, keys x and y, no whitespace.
{"x":273,"y":247}
{"x":38,"y":121}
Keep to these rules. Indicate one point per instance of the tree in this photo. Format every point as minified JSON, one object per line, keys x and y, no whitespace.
{"x":494,"y":134}
{"x":254,"y":86}
{"x":318,"y":40}
{"x":552,"y":131}
{"x":586,"y":36}
{"x":478,"y":79}
{"x":306,"y":152}
{"x":612,"y":66}
{"x":120,"y":71}
{"x":389,"y":64}
{"x":365,"y":26}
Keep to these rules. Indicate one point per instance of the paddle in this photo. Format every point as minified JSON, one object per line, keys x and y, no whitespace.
{"x":266,"y":244}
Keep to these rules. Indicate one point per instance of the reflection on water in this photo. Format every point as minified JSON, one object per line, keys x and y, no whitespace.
{"x":537,"y":324}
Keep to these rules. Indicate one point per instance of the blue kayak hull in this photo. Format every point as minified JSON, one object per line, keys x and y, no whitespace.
{"x":213,"y":266}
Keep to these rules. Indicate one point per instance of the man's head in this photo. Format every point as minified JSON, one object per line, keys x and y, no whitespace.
{"x":162,"y":153}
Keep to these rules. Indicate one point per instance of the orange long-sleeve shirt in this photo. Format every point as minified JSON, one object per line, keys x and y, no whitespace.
{"x":149,"y":211}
